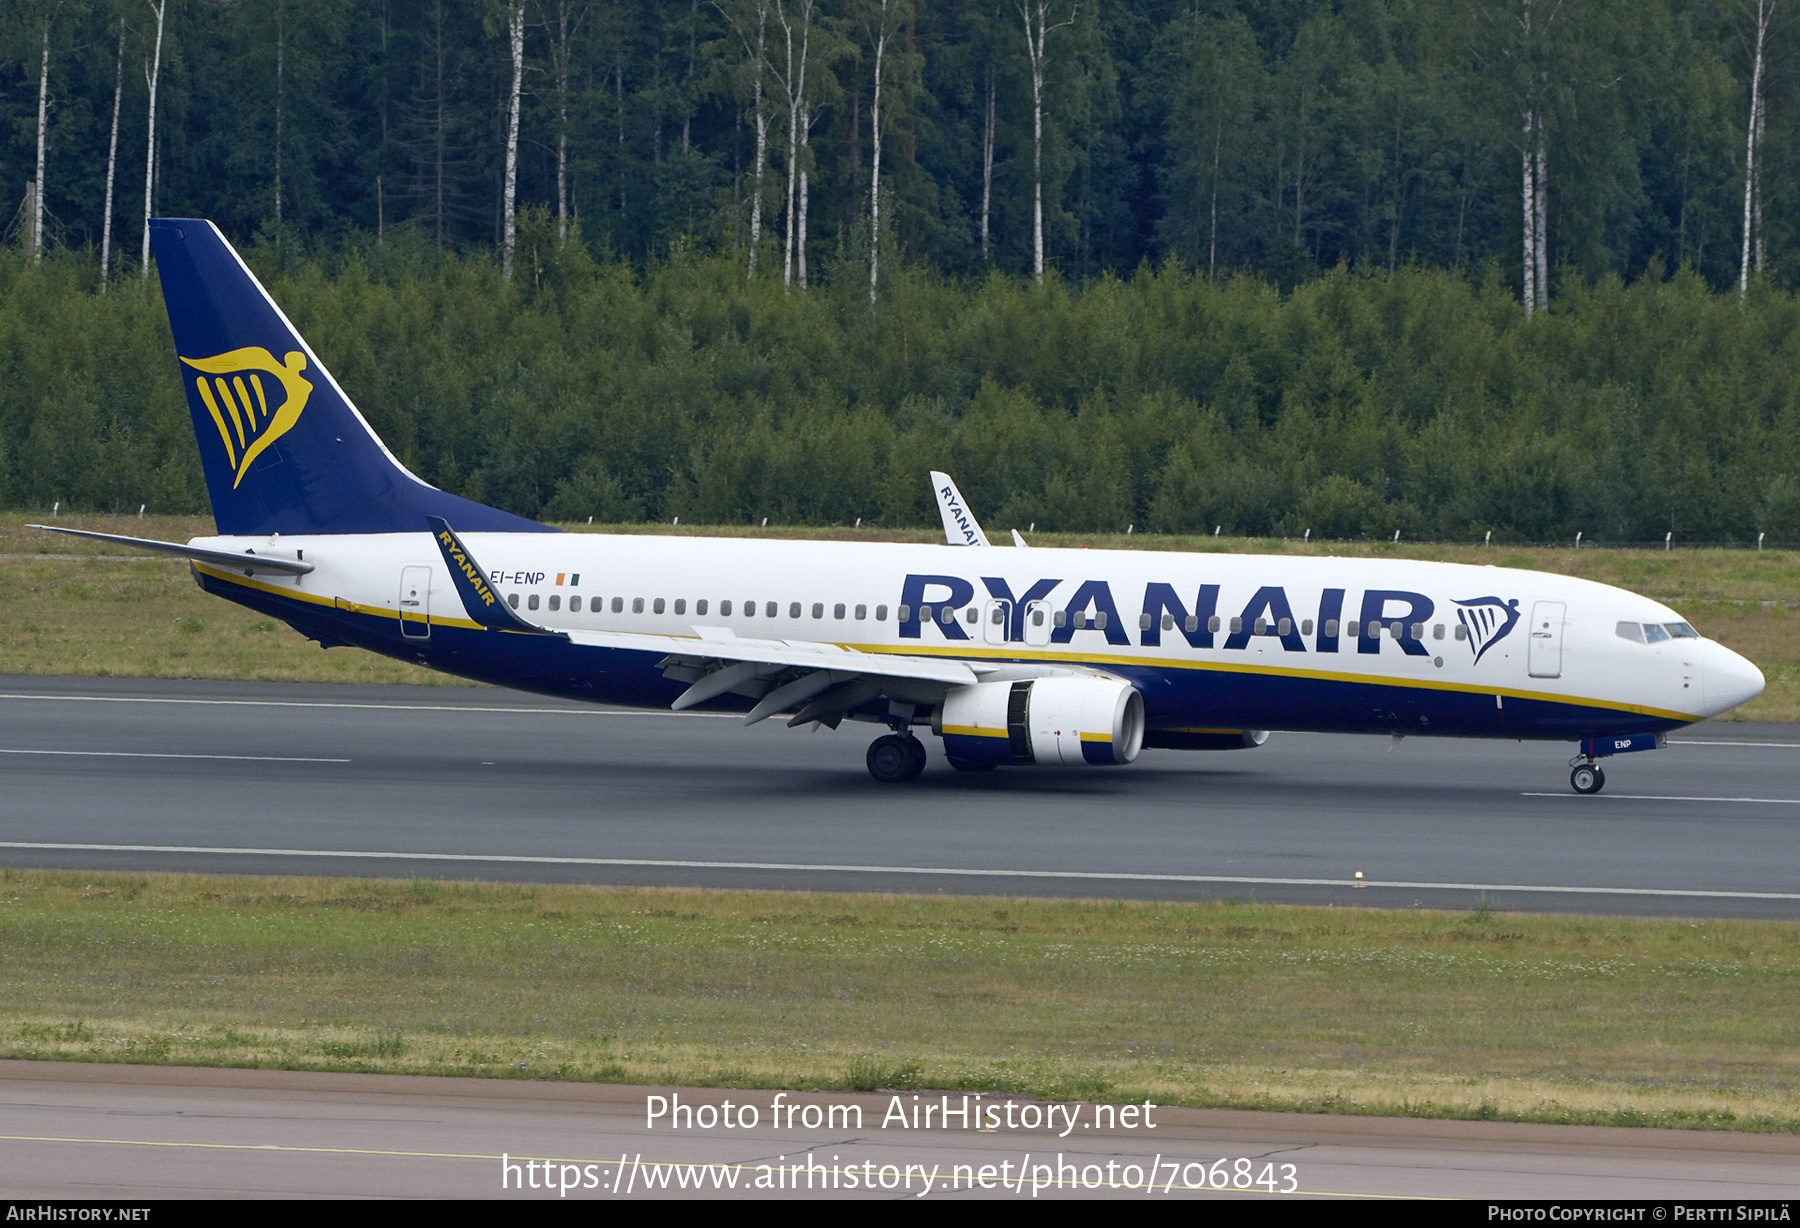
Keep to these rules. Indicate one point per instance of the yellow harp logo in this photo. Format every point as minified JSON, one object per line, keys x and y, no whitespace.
{"x":238,"y":400}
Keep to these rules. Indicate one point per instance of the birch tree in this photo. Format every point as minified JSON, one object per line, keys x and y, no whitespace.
{"x":879,"y":37}
{"x":37,"y":194}
{"x":806,"y":116}
{"x":509,"y":224}
{"x":792,"y":79}
{"x":566,"y":30}
{"x":1531,"y":206}
{"x":987,"y":166}
{"x":1212,"y":67}
{"x":1753,"y":131}
{"x":987,"y":36}
{"x":1036,"y":14}
{"x":756,"y":57}
{"x":112,"y":159}
{"x":1522,"y":48}
{"x":1540,"y":199}
{"x":151,"y":72}
{"x":280,"y":100}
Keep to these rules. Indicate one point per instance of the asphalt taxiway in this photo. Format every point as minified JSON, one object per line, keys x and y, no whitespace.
{"x":479,"y":783}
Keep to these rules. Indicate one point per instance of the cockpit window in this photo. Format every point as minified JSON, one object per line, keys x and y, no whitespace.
{"x":1656,"y":633}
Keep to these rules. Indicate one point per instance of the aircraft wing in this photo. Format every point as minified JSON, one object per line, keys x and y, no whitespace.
{"x":824,"y":680}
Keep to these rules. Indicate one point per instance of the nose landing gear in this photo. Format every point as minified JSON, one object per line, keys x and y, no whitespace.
{"x":895,"y":758}
{"x":1585,"y":775}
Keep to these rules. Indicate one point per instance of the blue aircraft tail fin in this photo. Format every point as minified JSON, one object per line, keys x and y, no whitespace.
{"x":284,"y":450}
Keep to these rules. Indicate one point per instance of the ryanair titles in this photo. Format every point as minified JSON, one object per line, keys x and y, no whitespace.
{"x":1035,"y":615}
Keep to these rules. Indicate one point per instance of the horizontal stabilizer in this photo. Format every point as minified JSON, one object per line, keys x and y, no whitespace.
{"x":249,"y":562}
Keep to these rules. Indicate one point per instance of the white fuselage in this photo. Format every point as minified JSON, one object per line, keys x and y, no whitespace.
{"x":1158,"y":617}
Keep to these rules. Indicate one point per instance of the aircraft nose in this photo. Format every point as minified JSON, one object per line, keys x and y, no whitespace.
{"x":1728,"y":679}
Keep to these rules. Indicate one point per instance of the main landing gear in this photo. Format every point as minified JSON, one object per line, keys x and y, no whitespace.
{"x":1586,"y":777}
{"x":895,"y":758}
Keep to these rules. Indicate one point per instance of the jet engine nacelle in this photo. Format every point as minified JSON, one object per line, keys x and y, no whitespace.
{"x":1048,"y":721}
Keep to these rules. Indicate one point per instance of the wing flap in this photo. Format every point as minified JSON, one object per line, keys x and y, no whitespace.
{"x":794,"y":654}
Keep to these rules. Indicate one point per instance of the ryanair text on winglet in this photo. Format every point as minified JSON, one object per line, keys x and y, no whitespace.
{"x":962,"y":517}
{"x":456,"y":555}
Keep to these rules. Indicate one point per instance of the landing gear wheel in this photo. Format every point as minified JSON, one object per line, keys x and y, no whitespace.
{"x":971,"y":765}
{"x":894,"y":758}
{"x":1587,"y":778}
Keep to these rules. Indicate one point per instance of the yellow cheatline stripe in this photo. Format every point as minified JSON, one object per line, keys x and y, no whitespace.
{"x":1097,"y":737}
{"x":620,"y":1164}
{"x":436,"y":620}
{"x":975,"y":731}
{"x":212,"y":407}
{"x":1101,"y":662}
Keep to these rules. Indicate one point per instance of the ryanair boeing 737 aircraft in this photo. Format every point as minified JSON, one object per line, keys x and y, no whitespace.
{"x":1011,"y":656}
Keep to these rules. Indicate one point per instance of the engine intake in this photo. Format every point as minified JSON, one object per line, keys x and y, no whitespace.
{"x":1049,"y":721}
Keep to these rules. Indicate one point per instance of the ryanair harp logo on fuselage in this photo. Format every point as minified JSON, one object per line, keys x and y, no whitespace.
{"x":239,"y":398}
{"x":1488,"y":620}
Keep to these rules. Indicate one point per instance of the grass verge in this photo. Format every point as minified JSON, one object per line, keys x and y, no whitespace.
{"x":1233,"y":1004}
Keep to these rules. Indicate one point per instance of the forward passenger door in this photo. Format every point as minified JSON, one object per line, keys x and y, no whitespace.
{"x":1544,"y":657}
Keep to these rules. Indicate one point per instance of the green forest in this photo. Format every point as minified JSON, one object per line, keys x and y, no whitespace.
{"x":1348,"y":269}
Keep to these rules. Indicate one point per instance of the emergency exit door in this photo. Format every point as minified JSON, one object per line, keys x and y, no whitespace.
{"x":997,"y":619}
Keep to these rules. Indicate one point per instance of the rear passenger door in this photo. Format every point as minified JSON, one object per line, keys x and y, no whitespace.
{"x":415,"y":603}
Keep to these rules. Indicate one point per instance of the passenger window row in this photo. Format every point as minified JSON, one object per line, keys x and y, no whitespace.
{"x":659,"y":605}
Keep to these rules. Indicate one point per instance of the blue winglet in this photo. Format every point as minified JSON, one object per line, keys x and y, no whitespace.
{"x":283,"y":449}
{"x":478,"y":596}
